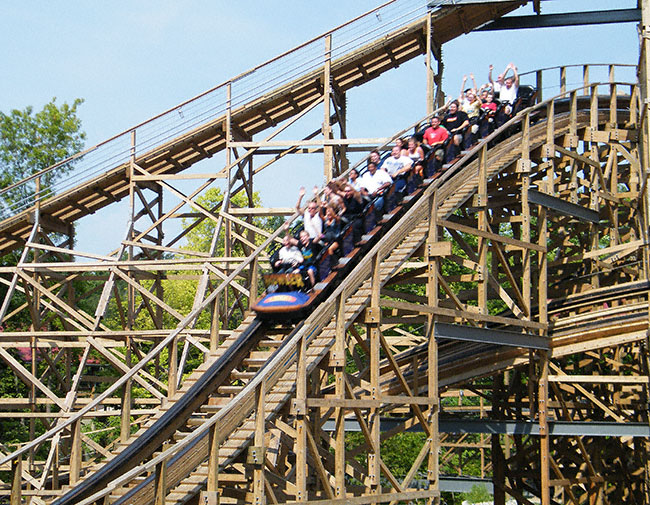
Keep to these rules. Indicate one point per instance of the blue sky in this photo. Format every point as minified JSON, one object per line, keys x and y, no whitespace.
{"x":132,"y":60}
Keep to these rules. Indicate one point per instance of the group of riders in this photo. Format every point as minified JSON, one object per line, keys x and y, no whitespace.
{"x":349,"y":205}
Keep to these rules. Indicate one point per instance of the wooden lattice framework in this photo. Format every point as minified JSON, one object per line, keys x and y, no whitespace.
{"x":549,"y":226}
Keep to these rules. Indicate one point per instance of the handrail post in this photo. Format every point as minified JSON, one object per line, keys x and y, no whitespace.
{"x":562,"y":79}
{"x":585,"y":78}
{"x":539,"y":85}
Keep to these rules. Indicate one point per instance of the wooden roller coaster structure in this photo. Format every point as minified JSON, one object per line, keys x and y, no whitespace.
{"x":499,"y":325}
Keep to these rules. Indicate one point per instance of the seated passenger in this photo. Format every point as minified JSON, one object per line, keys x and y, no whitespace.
{"x":398,"y":167}
{"x":435,"y":135}
{"x":308,"y":250}
{"x":416,"y":154}
{"x":455,"y":122}
{"x":354,"y":211}
{"x":331,"y":229}
{"x":401,"y":143}
{"x":508,"y":93}
{"x":375,"y":157}
{"x":353,"y":179}
{"x":488,"y":109}
{"x":332,"y":193}
{"x":496,"y":85}
{"x":289,"y":256}
{"x":311,"y":217}
{"x":373,"y":184}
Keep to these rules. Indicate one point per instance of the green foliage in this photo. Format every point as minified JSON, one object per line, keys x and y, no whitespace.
{"x":31,"y":142}
{"x":478,"y":494}
{"x":201,"y":230}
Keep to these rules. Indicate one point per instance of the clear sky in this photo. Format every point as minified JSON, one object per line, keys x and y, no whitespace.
{"x":132,"y":60}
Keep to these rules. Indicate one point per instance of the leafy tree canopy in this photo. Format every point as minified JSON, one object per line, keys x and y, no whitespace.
{"x":31,"y":142}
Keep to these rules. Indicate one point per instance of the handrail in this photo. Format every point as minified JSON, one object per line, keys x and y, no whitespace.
{"x":286,"y":353}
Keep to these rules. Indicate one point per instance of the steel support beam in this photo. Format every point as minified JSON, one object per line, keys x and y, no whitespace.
{"x":488,"y":336}
{"x":565,"y":19}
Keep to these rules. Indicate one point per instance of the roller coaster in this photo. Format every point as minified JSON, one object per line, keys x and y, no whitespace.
{"x":498,"y":324}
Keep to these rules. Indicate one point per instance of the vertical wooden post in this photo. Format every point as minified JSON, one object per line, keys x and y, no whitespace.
{"x":258,"y":459}
{"x":483,"y":243}
{"x":542,"y":399}
{"x":373,"y":319}
{"x":338,"y":362}
{"x":214,"y":326}
{"x":539,"y":84}
{"x":433,"y":266}
{"x":585,"y":79}
{"x":172,"y":376}
{"x":328,"y":150}
{"x":212,"y":485}
{"x":341,"y":100}
{"x":226,"y":204}
{"x":498,"y":459}
{"x":125,"y":417}
{"x":301,"y":423}
{"x":160,"y":481}
{"x":644,"y":147}
{"x":429,"y":48}
{"x":524,"y":170}
{"x":16,"y":481}
{"x":75,"y":451}
{"x":562,"y":79}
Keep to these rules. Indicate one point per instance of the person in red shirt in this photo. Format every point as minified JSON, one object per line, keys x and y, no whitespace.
{"x":435,"y":134}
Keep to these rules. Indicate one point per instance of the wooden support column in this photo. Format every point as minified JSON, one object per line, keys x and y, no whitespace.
{"x":523,"y":167}
{"x":328,"y":151}
{"x":213,"y":459}
{"x":644,"y":148}
{"x":433,"y":267}
{"x":16,"y":481}
{"x":172,"y":377}
{"x":498,"y":459}
{"x":214,"y":326}
{"x":75,"y":451}
{"x":226,"y":203}
{"x":341,"y":105}
{"x":373,"y":320}
{"x":483,"y":242}
{"x":542,"y":399}
{"x":430,"y":84}
{"x":160,"y":480}
{"x":125,"y":417}
{"x":256,"y":453}
{"x":300,"y":408}
{"x":594,"y":231}
{"x":338,"y":363}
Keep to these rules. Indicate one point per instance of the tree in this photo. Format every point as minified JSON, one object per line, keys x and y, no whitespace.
{"x":31,"y":142}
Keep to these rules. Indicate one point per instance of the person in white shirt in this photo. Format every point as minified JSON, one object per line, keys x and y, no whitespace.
{"x":374,"y":183}
{"x":311,"y":216}
{"x":398,"y":167}
{"x":508,"y":92}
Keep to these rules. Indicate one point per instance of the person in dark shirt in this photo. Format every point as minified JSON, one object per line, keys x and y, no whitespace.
{"x":308,"y":250}
{"x":331,"y":230}
{"x":354,"y":211}
{"x":455,"y":122}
